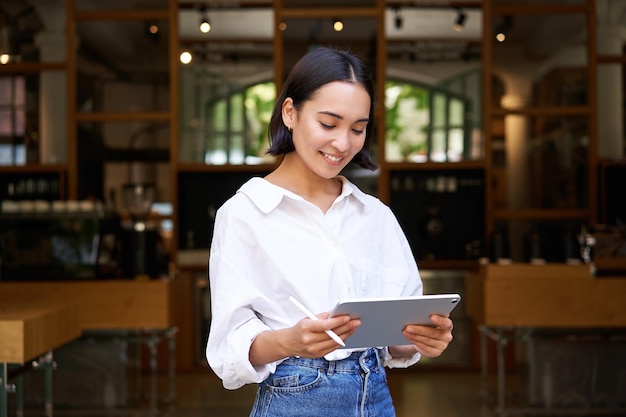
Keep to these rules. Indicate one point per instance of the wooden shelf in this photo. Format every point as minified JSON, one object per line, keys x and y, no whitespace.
{"x":122,"y":14}
{"x":540,"y":214}
{"x":191,"y":167}
{"x":375,"y":11}
{"x":123,"y":116}
{"x":465,"y":265}
{"x":33,"y":168}
{"x":329,"y":12}
{"x":433,"y":166}
{"x":611,"y":59}
{"x":539,"y":8}
{"x":544,"y":111}
{"x":32,"y":67}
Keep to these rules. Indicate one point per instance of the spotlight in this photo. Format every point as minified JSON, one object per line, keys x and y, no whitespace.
{"x":152,"y":31}
{"x":5,"y":58}
{"x":398,"y":20}
{"x":338,"y":25}
{"x":186,"y":57}
{"x":503,"y":28}
{"x":459,"y":23}
{"x":205,"y":23}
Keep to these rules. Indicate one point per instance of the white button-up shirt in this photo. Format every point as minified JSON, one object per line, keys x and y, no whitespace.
{"x":269,"y":244}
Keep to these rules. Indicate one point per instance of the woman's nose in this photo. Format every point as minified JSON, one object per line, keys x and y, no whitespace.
{"x":342,"y":141}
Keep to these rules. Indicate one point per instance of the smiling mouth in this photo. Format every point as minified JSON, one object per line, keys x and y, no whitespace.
{"x":331,"y":157}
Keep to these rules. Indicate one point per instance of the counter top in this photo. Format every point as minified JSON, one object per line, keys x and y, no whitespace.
{"x":29,"y":329}
{"x":552,"y":295}
{"x":104,"y":304}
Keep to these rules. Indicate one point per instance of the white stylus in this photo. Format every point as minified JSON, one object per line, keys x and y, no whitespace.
{"x":312,"y":316}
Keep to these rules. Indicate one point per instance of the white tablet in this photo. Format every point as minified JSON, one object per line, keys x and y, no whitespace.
{"x":382,"y":319}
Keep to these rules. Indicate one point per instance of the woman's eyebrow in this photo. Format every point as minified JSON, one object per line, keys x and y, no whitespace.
{"x":340,"y":117}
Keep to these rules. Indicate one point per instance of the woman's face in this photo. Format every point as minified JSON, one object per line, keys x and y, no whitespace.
{"x":330,"y":128}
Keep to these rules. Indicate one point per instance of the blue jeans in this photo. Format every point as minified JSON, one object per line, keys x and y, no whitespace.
{"x":301,"y":387}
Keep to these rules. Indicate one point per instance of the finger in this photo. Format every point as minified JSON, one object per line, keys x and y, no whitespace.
{"x":315,"y":331}
{"x":429,"y":351}
{"x":428,"y":346}
{"x":347,"y":326}
{"x":427,"y":331}
{"x":427,"y":336}
{"x":313,"y":340}
{"x":428,"y":342}
{"x":441,"y":321}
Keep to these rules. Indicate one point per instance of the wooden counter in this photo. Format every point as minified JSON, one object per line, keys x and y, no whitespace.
{"x":552,"y":295}
{"x":28,"y":330}
{"x":118,"y":304}
{"x":105,"y":304}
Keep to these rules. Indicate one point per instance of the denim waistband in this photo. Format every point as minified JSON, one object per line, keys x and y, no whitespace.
{"x":369,"y":360}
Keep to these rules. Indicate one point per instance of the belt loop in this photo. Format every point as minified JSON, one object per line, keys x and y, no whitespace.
{"x":380,"y":356}
{"x":331,"y":368}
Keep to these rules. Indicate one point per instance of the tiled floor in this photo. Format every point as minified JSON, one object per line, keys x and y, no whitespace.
{"x":416,"y":393}
{"x":103,"y":380}
{"x":420,"y":391}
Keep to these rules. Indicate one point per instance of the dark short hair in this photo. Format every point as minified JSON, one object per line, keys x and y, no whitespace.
{"x":317,"y":68}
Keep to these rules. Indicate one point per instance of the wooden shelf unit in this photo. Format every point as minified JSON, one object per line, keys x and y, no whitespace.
{"x":376,"y":11}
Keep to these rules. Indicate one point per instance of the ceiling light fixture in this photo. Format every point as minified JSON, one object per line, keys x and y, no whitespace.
{"x":205,"y":23}
{"x":503,"y":28}
{"x":397,"y":20}
{"x":459,"y":23}
{"x":186,"y":57}
{"x":153,"y":28}
{"x":152,"y":31}
{"x":338,"y":25}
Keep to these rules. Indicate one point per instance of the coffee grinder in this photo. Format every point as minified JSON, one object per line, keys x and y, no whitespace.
{"x":142,"y":246}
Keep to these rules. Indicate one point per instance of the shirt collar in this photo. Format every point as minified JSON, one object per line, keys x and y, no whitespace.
{"x":267,"y":196}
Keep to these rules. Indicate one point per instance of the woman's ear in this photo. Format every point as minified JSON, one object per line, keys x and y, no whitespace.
{"x":288,"y":113}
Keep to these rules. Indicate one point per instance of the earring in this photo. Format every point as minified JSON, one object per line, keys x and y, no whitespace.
{"x":290,"y":129}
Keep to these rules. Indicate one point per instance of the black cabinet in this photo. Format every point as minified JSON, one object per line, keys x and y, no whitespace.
{"x":200,"y":194}
{"x":441,"y":212}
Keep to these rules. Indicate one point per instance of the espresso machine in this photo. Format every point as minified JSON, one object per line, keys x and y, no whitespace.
{"x":142,"y":243}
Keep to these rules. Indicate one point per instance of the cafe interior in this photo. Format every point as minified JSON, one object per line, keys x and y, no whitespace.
{"x":500,"y":139}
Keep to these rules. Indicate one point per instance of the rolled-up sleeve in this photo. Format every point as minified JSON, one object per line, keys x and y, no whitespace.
{"x":234,"y":326}
{"x":402,"y":362}
{"x":228,"y":356}
{"x":234,"y":323}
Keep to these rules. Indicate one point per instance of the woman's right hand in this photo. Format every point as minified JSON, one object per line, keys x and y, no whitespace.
{"x":307,"y":339}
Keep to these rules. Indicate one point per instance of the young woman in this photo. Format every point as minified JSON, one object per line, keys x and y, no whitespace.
{"x":307,"y":232}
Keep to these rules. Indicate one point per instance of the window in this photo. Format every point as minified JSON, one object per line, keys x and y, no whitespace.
{"x":223,"y":121}
{"x":238,"y":125}
{"x":425,"y":123}
{"x":12,"y":120}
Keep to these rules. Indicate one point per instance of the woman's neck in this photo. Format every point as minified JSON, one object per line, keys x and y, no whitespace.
{"x":315,"y":189}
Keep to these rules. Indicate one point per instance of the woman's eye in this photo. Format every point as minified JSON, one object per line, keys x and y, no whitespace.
{"x":325,"y":126}
{"x":358,"y":131}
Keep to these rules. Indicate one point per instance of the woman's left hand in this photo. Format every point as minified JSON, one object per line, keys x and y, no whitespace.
{"x":427,"y":340}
